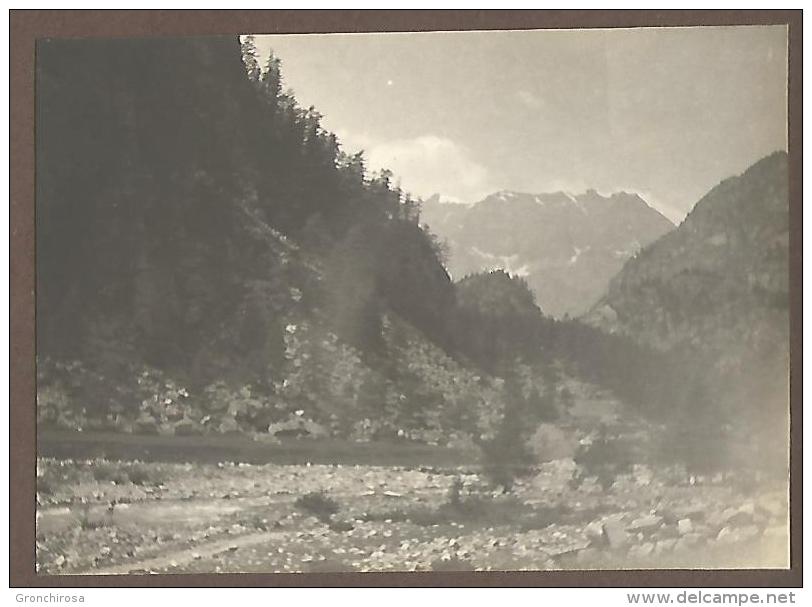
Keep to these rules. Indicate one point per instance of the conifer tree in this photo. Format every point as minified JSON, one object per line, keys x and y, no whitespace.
{"x":250,"y":58}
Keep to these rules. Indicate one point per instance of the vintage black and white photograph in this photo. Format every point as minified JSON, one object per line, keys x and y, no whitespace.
{"x":510,"y":300}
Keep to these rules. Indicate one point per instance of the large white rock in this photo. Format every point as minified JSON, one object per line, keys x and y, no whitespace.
{"x":615,"y":532}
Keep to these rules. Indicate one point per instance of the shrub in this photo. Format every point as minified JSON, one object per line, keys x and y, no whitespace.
{"x":141,"y":474}
{"x":259,"y":522}
{"x":318,"y":504}
{"x":549,"y":442}
{"x":455,"y":492}
{"x":104,"y":471}
{"x":605,"y":457}
{"x":163,"y":402}
{"x":506,"y":456}
{"x":87,"y":523}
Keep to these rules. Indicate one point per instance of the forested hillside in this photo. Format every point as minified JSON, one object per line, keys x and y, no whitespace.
{"x":193,"y":219}
{"x":155,"y":209}
{"x":715,"y":292}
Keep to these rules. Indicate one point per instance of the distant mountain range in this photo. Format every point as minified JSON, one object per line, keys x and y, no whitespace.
{"x":566,"y":246}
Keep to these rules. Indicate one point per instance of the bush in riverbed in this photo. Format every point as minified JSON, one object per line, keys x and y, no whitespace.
{"x":142,"y":474}
{"x":550,"y":442}
{"x":318,"y":504}
{"x":111,"y":472}
{"x":605,"y":457}
{"x":505,"y":456}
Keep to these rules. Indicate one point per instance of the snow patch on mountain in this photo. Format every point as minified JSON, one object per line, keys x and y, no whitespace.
{"x":545,"y":237}
{"x":502,"y":262}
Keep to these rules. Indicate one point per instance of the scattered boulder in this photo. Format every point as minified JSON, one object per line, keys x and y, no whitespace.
{"x":646,"y":524}
{"x":615,"y":533}
{"x":748,"y":508}
{"x":669,"y":516}
{"x":695,"y":512}
{"x":594,"y":531}
{"x":732,"y":517}
{"x":553,"y":476}
{"x":229,"y":426}
{"x":734,"y":535}
{"x":684,"y":526}
{"x":642,"y":475}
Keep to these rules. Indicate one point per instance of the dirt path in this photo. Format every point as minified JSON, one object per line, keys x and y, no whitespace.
{"x":187,"y":555}
{"x":56,"y":519}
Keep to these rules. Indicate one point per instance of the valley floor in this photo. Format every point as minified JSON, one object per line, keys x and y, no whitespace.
{"x":106,"y":516}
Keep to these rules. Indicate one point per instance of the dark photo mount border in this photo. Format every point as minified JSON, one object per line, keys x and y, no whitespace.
{"x":27,"y":26}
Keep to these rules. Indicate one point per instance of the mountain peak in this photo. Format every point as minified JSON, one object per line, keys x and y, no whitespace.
{"x":566,"y":245}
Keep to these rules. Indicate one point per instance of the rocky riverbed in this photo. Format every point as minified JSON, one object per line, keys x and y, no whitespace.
{"x":106,"y":517}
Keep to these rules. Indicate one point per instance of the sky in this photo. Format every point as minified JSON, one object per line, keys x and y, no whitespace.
{"x":664,"y":112}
